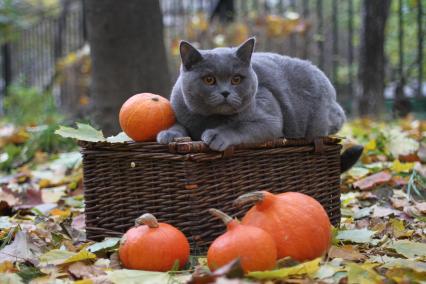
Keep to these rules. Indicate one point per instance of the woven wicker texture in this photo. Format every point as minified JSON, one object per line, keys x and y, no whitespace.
{"x":179,"y":182}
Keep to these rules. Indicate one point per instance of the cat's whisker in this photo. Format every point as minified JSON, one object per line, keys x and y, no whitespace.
{"x":214,"y":100}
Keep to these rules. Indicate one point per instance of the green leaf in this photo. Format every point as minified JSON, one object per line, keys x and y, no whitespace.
{"x":144,"y":277}
{"x":409,"y":249}
{"x":119,"y":138}
{"x":356,"y":236}
{"x":309,"y":268}
{"x":83,"y":132}
{"x":108,"y":243}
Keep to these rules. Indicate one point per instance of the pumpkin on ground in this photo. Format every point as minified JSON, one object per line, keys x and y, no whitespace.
{"x":153,"y":246}
{"x":253,"y":246}
{"x":144,"y":115}
{"x":297,"y":222}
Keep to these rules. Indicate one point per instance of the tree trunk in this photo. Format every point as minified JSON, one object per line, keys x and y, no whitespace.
{"x":371,"y":71}
{"x":128,"y":55}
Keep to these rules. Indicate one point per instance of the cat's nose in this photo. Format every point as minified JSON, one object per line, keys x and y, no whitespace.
{"x":225,"y":94}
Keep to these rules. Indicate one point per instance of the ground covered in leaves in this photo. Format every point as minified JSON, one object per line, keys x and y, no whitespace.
{"x":382,"y":237}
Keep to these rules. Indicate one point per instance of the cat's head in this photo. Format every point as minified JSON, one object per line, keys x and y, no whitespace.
{"x":218,"y":81}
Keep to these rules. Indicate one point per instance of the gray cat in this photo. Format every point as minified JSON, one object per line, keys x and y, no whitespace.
{"x":230,"y":96}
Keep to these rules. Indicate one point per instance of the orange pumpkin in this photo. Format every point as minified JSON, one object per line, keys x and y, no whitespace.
{"x":153,"y":246}
{"x":255,"y":248}
{"x":297,"y":222}
{"x":144,"y":115}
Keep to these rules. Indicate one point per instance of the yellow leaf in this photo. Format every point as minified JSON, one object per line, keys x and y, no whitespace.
{"x":363,"y":274}
{"x":399,"y":230}
{"x":82,"y":255}
{"x":58,"y":257}
{"x":399,"y":167}
{"x":59,"y":212}
{"x":371,"y":145}
{"x":44,"y":183}
{"x":84,"y":281}
{"x":309,"y":268}
{"x":7,"y":266}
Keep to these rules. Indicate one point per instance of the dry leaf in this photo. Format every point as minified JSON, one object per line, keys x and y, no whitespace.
{"x":372,"y":181}
{"x":81,"y":270}
{"x":345,"y":252}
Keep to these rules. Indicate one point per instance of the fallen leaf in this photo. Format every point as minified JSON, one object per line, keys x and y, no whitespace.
{"x":31,"y":198}
{"x":380,"y":212}
{"x":364,"y":212}
{"x":10,"y":278}
{"x":83,"y":132}
{"x":7,"y":266}
{"x":81,"y":270}
{"x":403,"y":275}
{"x":79,"y":222}
{"x":362,"y":274}
{"x":53,"y":194}
{"x":142,"y":277}
{"x":398,"y":203}
{"x":309,"y":268}
{"x":358,"y":172}
{"x":7,"y":197}
{"x":119,"y":138}
{"x":399,"y":181}
{"x":345,"y":252}
{"x":421,"y":207}
{"x":81,"y":255}
{"x":372,"y":181}
{"x":327,"y":271}
{"x":408,"y":248}
{"x":55,"y":257}
{"x":20,"y":250}
{"x":107,"y":244}
{"x":399,"y":143}
{"x":399,"y":167}
{"x":62,"y":213}
{"x":371,"y":145}
{"x":399,"y":230}
{"x":356,"y":236}
{"x":202,"y":275}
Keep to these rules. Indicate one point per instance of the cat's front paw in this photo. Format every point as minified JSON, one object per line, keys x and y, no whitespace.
{"x":217,"y":140}
{"x":167,"y":136}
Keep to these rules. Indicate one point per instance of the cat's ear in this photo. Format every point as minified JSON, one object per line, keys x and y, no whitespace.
{"x":189,"y":54}
{"x":245,"y":50}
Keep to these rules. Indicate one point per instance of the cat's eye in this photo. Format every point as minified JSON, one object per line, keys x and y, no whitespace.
{"x":209,"y":80}
{"x":236,"y":80}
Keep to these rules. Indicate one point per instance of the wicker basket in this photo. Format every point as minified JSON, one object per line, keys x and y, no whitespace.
{"x":180,"y":181}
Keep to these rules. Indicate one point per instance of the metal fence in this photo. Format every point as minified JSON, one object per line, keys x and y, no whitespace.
{"x":32,"y":57}
{"x":325,"y":32}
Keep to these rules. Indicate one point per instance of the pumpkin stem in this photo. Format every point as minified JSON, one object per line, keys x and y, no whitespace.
{"x":147,"y":219}
{"x":251,"y":197}
{"x":219,"y":214}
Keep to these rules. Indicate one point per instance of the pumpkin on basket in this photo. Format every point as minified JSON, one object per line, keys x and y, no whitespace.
{"x":144,"y":115}
{"x":297,"y":222}
{"x":153,"y":246}
{"x":255,"y":247}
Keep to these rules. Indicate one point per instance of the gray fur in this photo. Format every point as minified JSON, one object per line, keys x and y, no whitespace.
{"x":278,"y":96}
